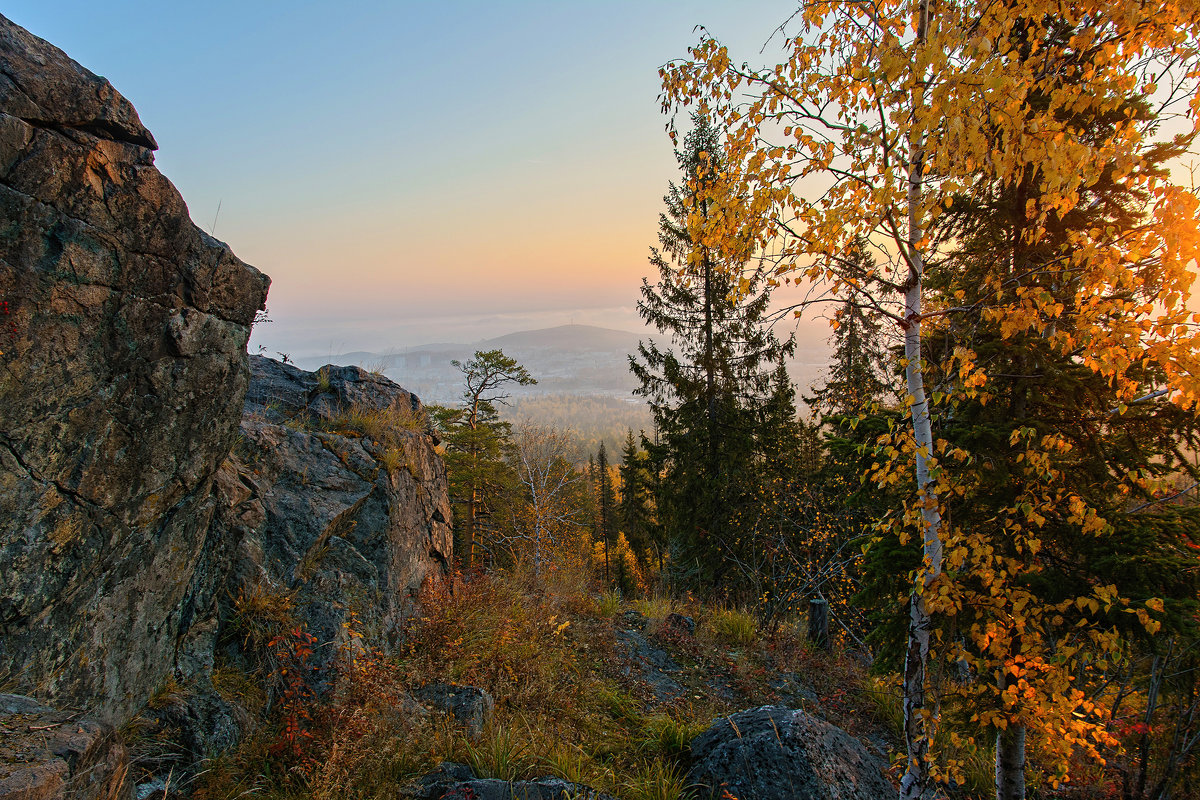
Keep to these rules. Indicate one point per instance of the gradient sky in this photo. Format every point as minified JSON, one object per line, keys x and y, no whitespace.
{"x":411,"y":172}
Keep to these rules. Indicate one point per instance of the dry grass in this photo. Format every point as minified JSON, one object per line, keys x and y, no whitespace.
{"x":546,"y":650}
{"x":655,"y":608}
{"x":386,"y":426}
{"x":261,"y":612}
{"x":732,"y":627}
{"x":392,"y":459}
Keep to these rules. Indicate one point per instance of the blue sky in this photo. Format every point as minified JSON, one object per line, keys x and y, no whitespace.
{"x":404,"y":170}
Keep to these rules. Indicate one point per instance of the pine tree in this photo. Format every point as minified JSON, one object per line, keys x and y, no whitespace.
{"x":477,"y":446}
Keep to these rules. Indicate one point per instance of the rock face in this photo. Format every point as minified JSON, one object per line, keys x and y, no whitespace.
{"x":137,"y":542}
{"x":342,"y":495}
{"x":775,"y":753}
{"x":469,"y":706}
{"x":452,"y":781}
{"x":48,"y":755}
{"x":331,"y":511}
{"x":123,"y":330}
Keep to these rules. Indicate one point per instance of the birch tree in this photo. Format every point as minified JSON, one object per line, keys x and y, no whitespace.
{"x":549,"y":517}
{"x":881,"y":116}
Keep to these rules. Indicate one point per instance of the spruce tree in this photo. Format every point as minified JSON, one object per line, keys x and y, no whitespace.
{"x":706,"y":388}
{"x":634,"y":512}
{"x":858,"y":369}
{"x":606,"y":508}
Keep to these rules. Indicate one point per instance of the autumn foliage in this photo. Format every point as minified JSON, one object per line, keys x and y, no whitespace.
{"x":1035,"y":133}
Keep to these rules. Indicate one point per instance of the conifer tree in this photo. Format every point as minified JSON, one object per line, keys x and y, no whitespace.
{"x":705,"y":389}
{"x":858,"y":372}
{"x":477,"y":445}
{"x":606,"y":507}
{"x":634,"y":512}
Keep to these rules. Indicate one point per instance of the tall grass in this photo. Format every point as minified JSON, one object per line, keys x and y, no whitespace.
{"x":733,"y":627}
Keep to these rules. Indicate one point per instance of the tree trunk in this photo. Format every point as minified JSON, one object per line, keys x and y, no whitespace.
{"x":818,"y":623}
{"x":469,"y":539}
{"x":473,"y":500}
{"x":918,"y":716}
{"x":1010,"y":763}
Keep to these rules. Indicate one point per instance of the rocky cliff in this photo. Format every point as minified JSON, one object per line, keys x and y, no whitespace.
{"x":355,"y":505}
{"x":134,"y":514}
{"x":121,"y":385}
{"x":331,"y":511}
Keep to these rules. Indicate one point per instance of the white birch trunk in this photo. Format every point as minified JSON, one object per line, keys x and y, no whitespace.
{"x":1010,"y":763}
{"x":918,"y":716}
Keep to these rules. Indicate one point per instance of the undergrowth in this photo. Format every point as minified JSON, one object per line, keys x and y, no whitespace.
{"x":546,"y":649}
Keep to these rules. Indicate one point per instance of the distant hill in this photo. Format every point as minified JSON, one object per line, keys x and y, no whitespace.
{"x":582,"y":360}
{"x":569,"y":361}
{"x":580,"y":338}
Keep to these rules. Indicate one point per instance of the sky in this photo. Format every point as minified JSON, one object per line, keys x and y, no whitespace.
{"x":412,"y":172}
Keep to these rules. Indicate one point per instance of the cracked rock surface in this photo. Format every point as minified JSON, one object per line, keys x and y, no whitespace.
{"x":777,"y":753}
{"x":348,"y":520}
{"x":123,"y":329}
{"x":310,"y":508}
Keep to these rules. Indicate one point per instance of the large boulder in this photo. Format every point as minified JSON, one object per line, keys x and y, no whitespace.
{"x":776,"y":753}
{"x":452,"y":781}
{"x":123,"y":329}
{"x":331,"y":512}
{"x":344,"y":499}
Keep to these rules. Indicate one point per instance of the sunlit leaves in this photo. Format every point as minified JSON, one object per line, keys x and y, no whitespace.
{"x":907,"y":131}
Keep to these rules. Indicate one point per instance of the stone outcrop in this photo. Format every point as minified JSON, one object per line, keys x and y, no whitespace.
{"x":51,"y":755}
{"x":452,"y":781}
{"x":342,"y":495}
{"x":332,"y":510}
{"x":149,"y":505}
{"x":469,"y":706}
{"x":776,"y":753}
{"x":649,"y":663}
{"x":123,"y":329}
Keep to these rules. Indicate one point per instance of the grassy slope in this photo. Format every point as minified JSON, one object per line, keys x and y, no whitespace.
{"x":568,"y":700}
